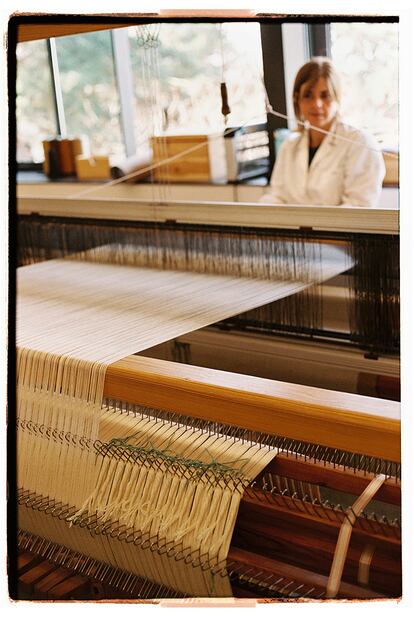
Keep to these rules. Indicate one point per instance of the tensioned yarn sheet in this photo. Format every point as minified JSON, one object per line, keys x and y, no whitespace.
{"x":102,"y":312}
{"x":74,"y":319}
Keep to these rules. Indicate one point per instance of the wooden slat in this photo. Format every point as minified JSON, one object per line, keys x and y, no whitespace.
{"x":339,"y":420}
{"x":254,"y":504}
{"x":75,"y":587}
{"x":26,"y":561}
{"x":36,"y":31}
{"x":332,"y":476}
{"x":134,"y":208}
{"x":32,"y":576}
{"x":306,"y":577}
{"x":46,"y":584}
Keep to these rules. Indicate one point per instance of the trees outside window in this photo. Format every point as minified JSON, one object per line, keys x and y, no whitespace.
{"x":35,"y":112}
{"x":89,"y":90}
{"x":177,"y":69}
{"x":366,"y":55}
{"x":188,"y":62}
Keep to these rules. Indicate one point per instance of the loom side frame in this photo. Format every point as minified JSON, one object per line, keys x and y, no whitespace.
{"x":351,"y":422}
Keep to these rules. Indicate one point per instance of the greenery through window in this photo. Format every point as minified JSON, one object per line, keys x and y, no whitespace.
{"x":189,"y":63}
{"x":177,"y":69}
{"x":366,"y":55}
{"x":35,"y":112}
{"x":89,"y":90}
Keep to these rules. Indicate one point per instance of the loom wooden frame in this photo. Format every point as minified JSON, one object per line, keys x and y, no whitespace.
{"x":340,"y":420}
{"x":35,"y":31}
{"x":112,"y":207}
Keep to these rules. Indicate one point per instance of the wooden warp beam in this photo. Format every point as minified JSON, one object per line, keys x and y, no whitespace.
{"x":73,"y":320}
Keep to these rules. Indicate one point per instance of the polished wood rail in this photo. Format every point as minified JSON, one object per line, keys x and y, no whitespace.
{"x":356,"y":423}
{"x":36,"y":31}
{"x":330,"y":476}
{"x":290,"y":573}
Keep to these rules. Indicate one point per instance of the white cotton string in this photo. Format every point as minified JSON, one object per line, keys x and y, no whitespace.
{"x":111,"y":312}
{"x":195,"y":514}
{"x":75,"y":318}
{"x":69,"y":328}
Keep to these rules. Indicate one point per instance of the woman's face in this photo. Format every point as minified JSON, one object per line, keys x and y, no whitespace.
{"x":316,"y":104}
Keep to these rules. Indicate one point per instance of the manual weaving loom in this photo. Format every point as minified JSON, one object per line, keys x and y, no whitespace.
{"x":54,"y":227}
{"x":87,"y":471}
{"x":142,"y":479}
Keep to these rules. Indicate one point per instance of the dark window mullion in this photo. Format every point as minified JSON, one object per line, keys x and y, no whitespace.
{"x":274,"y":79}
{"x":319,"y":39}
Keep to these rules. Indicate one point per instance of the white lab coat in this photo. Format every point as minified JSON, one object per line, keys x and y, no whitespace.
{"x":341,"y":173}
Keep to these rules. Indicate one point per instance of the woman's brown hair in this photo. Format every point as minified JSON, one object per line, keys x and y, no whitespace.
{"x":317,"y":67}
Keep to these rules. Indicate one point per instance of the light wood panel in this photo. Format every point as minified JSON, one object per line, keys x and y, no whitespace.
{"x":324,"y":218}
{"x":192,"y":158}
{"x":339,"y":420}
{"x":36,"y":31}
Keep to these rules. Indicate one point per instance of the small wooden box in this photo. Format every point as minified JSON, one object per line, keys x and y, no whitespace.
{"x":65,"y":152}
{"x":93,"y":168}
{"x":205,"y":163}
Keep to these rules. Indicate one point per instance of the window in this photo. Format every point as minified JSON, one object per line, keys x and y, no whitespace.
{"x":366,"y":55}
{"x":35,"y":111}
{"x":167,"y":78}
{"x":190,"y":61}
{"x":89,"y":90}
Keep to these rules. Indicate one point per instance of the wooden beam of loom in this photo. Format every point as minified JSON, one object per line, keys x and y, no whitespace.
{"x":340,"y":420}
{"x":133,"y":208}
{"x":37,"y":31}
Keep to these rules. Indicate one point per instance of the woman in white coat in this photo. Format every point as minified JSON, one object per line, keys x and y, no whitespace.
{"x":313,"y":168}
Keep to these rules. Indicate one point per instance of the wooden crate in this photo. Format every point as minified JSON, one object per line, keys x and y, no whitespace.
{"x":93,"y":167}
{"x":206,"y":163}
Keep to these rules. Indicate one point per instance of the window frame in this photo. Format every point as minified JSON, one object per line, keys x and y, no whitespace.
{"x":123,"y":79}
{"x":274,"y":80}
{"x":125,"y":86}
{"x":315,"y":39}
{"x":319,"y":36}
{"x":56,"y":87}
{"x":31,"y":165}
